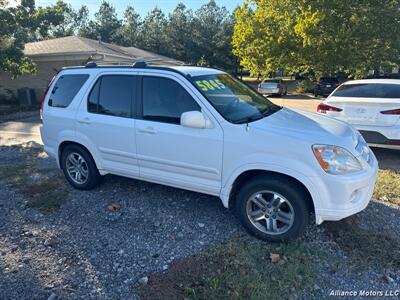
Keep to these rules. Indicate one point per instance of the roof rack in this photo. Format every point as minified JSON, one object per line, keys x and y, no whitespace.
{"x":139,"y":64}
{"x":91,"y":64}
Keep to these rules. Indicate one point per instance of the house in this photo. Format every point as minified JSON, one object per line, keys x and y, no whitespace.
{"x":51,"y":55}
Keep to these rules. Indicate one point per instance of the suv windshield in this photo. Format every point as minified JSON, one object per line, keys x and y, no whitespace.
{"x":235,"y":101}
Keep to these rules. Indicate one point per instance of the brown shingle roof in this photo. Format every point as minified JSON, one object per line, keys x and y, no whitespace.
{"x":79,"y":45}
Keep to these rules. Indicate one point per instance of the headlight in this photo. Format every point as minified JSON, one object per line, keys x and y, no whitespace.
{"x":363,"y":149}
{"x":336,"y":160}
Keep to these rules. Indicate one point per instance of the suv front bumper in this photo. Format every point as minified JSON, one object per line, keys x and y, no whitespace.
{"x":344,"y":195}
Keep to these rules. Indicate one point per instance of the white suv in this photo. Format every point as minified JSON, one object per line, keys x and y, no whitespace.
{"x":202,"y":130}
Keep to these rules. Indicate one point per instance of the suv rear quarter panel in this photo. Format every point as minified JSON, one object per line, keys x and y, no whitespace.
{"x":59,"y":123}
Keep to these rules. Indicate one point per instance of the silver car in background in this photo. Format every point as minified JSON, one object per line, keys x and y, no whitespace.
{"x":272,"y":87}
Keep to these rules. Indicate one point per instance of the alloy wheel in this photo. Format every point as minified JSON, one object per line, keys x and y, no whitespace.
{"x":77,"y":168}
{"x":270,"y":212}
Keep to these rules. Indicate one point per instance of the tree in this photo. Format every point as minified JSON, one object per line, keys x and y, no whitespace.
{"x":106,"y":25}
{"x":131,"y":28}
{"x":21,"y":24}
{"x":153,"y":28}
{"x":66,"y":23}
{"x":71,"y":22}
{"x":179,"y":31}
{"x":212,"y":32}
{"x":82,"y":21}
{"x":326,"y":36}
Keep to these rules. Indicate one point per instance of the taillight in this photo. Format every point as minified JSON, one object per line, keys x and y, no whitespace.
{"x":44,"y":96}
{"x":391,"y":112}
{"x":323,"y":108}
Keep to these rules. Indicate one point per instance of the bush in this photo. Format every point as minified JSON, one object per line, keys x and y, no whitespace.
{"x":305,"y":86}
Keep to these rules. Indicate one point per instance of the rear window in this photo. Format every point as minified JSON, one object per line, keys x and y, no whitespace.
{"x":328,"y":80}
{"x":65,"y":89}
{"x":369,"y":90}
{"x":272,"y":81}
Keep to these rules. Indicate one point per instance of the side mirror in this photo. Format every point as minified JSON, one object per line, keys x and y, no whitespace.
{"x":195,"y":119}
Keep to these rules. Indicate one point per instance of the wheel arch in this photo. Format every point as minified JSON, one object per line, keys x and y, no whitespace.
{"x":247,"y":175}
{"x":66,"y":143}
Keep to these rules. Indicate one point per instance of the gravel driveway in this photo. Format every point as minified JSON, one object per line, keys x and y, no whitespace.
{"x":85,"y":250}
{"x":99,"y":243}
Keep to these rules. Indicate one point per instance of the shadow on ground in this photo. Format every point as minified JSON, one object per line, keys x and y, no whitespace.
{"x":388,"y":159}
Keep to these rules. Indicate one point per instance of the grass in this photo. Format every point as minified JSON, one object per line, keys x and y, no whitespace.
{"x":387,"y":186}
{"x":44,"y":193}
{"x":364,"y":247}
{"x":238,"y":269}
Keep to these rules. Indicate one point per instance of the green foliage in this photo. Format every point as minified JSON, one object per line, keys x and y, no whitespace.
{"x":305,"y":86}
{"x":106,"y":24}
{"x":21,"y":24}
{"x":326,"y":36}
{"x":212,"y":30}
{"x":201,"y":37}
{"x":179,"y":31}
{"x":131,"y":26}
{"x":153,"y":28}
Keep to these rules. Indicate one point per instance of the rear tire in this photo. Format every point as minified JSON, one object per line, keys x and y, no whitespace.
{"x":79,"y":168}
{"x":272,"y":209}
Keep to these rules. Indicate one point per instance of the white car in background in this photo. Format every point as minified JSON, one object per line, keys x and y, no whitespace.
{"x":372,"y":106}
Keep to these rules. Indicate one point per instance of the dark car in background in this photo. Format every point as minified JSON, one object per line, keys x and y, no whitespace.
{"x":325,"y":86}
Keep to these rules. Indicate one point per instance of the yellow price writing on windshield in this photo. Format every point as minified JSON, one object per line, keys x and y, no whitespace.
{"x":210,"y":85}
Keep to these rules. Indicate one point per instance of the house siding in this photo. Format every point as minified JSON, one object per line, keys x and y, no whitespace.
{"x":45,"y":71}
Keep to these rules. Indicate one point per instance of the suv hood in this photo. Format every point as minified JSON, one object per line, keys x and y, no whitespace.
{"x":308,"y":127}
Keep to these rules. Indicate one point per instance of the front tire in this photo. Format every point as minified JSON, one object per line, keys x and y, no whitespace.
{"x":272,"y":209}
{"x":79,"y":168}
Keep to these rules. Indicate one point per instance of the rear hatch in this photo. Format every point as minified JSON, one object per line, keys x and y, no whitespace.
{"x":359,"y":104}
{"x":269,"y":85}
{"x":328,"y":83}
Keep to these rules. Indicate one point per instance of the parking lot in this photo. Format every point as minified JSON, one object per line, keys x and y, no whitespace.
{"x":55,"y":240}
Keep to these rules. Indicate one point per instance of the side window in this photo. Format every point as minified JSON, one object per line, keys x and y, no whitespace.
{"x":94,"y":97}
{"x":65,"y":89}
{"x":112,"y":95}
{"x":165,"y":100}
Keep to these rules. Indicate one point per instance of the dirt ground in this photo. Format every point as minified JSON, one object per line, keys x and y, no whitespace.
{"x":303,"y":102}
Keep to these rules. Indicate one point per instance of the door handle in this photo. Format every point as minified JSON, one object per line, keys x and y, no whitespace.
{"x":84,"y":121}
{"x":148,"y":130}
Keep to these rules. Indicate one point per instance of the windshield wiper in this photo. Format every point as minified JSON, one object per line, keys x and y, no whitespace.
{"x":267,"y":112}
{"x":270,"y":110}
{"x":249,"y":119}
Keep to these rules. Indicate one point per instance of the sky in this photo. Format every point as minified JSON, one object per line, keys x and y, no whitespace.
{"x":141,"y":6}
